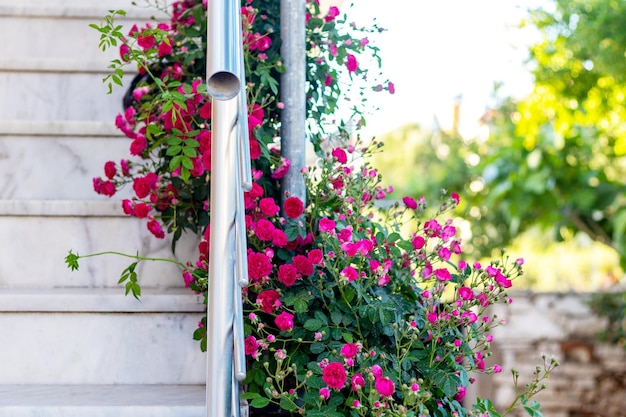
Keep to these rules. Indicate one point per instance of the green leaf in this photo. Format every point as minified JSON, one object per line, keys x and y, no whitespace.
{"x":313,"y":324}
{"x":175,"y":162}
{"x":189,"y":151}
{"x":173,"y":150}
{"x":406,"y":245}
{"x":393,"y":237}
{"x":336,"y":317}
{"x":288,"y":404}
{"x":300,"y":306}
{"x":72,"y":261}
{"x":259,"y":402}
{"x":317,"y":348}
{"x":447,"y":382}
{"x":321,"y":317}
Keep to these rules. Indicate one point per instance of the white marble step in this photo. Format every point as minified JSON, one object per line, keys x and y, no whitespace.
{"x":102,"y":401}
{"x":99,"y":336}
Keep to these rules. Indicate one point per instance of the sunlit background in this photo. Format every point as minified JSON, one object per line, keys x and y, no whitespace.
{"x":449,"y":54}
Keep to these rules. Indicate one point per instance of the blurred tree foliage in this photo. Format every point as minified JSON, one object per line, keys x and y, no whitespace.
{"x":555,"y":159}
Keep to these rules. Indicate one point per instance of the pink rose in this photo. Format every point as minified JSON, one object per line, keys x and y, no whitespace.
{"x":303,"y":265}
{"x":409,"y":202}
{"x":327,"y":225}
{"x":340,"y":154}
{"x":349,"y":350}
{"x":349,"y":273}
{"x":333,"y":12}
{"x":358,"y":382}
{"x":109,"y":169}
{"x":268,"y":207}
{"x":141,"y":210}
{"x":250,"y":345}
{"x":442,"y":274}
{"x":155,"y":228}
{"x":284,"y":321}
{"x":293,"y":207}
{"x":334,"y":375}
{"x":287,"y":274}
{"x":259,"y":266}
{"x":279,"y":238}
{"x":316,"y":256}
{"x":268,"y":301}
{"x":385,"y":386}
{"x":264,"y":230}
{"x":466,"y":293}
{"x":351,"y":63}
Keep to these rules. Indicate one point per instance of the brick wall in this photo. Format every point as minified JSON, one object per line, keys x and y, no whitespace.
{"x":591,"y":378}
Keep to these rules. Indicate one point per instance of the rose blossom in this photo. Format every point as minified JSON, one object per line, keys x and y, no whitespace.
{"x":351,"y":63}
{"x":327,"y":225}
{"x":316,"y":256}
{"x":259,"y":266}
{"x":155,"y":228}
{"x":293,"y":207}
{"x":284,"y":321}
{"x":466,"y":293}
{"x":287,"y":274}
{"x":303,"y":264}
{"x":349,"y":350}
{"x":268,"y":207}
{"x":340,"y":154}
{"x":250,"y":345}
{"x":357,"y":382}
{"x":409,"y":202}
{"x":264,"y":230}
{"x":349,"y":273}
{"x":385,"y":386}
{"x":268,"y":300}
{"x":334,"y":375}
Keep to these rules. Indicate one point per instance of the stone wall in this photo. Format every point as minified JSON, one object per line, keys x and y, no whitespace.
{"x":591,"y":378}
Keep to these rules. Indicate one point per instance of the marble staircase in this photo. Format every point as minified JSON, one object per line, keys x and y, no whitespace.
{"x":71,"y":343}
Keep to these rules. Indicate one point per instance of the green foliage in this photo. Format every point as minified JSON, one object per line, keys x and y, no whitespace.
{"x":611,"y":306}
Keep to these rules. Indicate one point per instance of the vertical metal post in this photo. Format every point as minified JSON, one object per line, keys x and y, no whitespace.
{"x":293,"y":94}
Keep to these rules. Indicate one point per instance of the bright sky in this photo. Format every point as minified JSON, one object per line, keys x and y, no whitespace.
{"x":436,"y":50}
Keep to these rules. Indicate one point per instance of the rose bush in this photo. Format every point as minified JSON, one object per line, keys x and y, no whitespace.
{"x":351,"y":309}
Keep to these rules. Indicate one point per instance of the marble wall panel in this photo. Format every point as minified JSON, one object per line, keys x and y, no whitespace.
{"x":63,"y":348}
{"x":54,"y":97}
{"x":57,"y":168}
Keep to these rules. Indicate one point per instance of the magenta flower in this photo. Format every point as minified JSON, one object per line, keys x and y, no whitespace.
{"x":334,"y":375}
{"x":293,"y":207}
{"x":357,"y":382}
{"x":327,"y":225}
{"x":409,"y":202}
{"x":466,"y":293}
{"x":442,"y":274}
{"x":349,"y":350}
{"x":284,"y":321}
{"x":349,"y":274}
{"x":333,"y":12}
{"x":340,"y":154}
{"x":351,"y":63}
{"x":385,"y":386}
{"x":155,"y":228}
